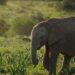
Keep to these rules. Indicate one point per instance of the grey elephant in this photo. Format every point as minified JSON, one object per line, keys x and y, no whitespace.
{"x":58,"y":36}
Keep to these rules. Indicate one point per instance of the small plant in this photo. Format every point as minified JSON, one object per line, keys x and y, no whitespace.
{"x":20,"y":63}
{"x":16,"y":63}
{"x":3,"y":27}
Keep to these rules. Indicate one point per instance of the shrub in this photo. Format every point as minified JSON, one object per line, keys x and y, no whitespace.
{"x":69,"y":4}
{"x":24,"y":24}
{"x":3,"y":27}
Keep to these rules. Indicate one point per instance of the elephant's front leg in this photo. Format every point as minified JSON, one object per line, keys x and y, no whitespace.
{"x":65,"y":65}
{"x":46,"y":61}
{"x":53,"y":61}
{"x":46,"y":58}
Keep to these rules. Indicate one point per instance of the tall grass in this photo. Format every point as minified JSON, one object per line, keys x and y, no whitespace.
{"x":15,"y":58}
{"x":18,"y":14}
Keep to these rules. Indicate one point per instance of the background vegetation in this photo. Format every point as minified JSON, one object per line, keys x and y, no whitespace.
{"x":16,"y":21}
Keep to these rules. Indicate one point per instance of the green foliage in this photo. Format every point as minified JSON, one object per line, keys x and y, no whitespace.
{"x":3,"y":27}
{"x":15,"y":58}
{"x":23,"y":15}
{"x":15,"y":63}
{"x":69,"y":4}
{"x":23,"y":25}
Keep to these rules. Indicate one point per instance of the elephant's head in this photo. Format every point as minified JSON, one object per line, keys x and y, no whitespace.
{"x":39,"y":36}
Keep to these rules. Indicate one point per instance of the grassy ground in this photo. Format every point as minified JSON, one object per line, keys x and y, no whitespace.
{"x":15,"y":49}
{"x":15,"y":58}
{"x":21,"y":15}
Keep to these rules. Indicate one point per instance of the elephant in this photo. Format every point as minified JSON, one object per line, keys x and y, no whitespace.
{"x":58,"y":36}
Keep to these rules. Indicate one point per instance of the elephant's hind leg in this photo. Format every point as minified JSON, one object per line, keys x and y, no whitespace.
{"x":53,"y":61}
{"x":65,"y":65}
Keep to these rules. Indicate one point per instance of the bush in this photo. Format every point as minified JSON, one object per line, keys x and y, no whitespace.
{"x":3,"y":27}
{"x":69,"y":4}
{"x":24,"y":24}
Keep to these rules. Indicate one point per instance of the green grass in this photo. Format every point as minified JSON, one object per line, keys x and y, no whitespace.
{"x":19,"y":14}
{"x":15,"y":58}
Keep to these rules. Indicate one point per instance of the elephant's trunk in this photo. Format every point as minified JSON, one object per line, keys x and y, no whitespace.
{"x":34,"y":58}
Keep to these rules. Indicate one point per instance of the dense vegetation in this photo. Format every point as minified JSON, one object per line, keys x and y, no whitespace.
{"x":16,"y":21}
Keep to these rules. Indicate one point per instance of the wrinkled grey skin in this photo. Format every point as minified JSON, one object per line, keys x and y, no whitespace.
{"x":58,"y":36}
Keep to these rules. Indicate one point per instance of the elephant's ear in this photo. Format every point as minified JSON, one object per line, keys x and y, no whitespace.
{"x":56,"y":35}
